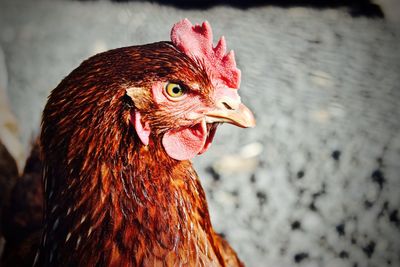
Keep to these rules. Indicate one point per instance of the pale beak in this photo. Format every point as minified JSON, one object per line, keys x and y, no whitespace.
{"x":231,"y":111}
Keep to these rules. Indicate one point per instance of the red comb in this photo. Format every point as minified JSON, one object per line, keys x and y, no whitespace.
{"x":197,"y":42}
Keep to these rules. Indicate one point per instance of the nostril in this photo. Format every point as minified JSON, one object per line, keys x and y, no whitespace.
{"x":227,"y":106}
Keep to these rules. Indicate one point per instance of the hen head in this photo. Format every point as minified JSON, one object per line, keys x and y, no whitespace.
{"x":176,"y":93}
{"x":194,"y":89}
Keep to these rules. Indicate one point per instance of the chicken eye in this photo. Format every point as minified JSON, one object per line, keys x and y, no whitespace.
{"x":174,"y":90}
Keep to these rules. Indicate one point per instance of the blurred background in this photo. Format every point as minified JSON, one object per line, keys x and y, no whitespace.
{"x":317,"y":182}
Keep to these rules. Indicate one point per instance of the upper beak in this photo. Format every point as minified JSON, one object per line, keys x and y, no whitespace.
{"x":231,"y":111}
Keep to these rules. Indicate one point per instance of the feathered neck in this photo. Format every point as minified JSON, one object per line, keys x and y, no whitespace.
{"x":115,"y":201}
{"x":110,"y":201}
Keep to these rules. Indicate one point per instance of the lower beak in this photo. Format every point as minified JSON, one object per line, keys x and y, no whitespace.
{"x":239,"y":115}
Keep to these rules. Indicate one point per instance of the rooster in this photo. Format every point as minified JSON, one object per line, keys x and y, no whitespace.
{"x":117,"y":137}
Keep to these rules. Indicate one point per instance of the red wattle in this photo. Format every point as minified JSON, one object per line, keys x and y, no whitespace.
{"x":186,"y":143}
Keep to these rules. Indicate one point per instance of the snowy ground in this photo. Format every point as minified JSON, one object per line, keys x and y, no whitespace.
{"x":317,"y":182}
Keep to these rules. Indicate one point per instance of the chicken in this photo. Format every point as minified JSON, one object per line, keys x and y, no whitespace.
{"x":22,"y":215}
{"x":8,"y":177}
{"x":117,"y":137}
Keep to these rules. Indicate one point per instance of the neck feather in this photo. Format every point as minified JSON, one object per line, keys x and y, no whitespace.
{"x":118,"y":200}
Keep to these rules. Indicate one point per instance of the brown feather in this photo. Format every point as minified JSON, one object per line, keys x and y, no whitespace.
{"x":110,"y":201}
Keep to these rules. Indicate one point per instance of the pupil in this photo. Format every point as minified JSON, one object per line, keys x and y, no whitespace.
{"x":176,"y":90}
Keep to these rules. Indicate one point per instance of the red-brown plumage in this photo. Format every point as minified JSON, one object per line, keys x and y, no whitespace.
{"x":110,"y":200}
